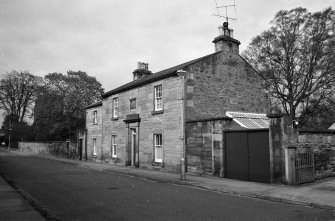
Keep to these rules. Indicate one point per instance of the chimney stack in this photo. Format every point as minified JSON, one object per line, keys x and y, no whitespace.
{"x":225,"y":41}
{"x":141,"y":71}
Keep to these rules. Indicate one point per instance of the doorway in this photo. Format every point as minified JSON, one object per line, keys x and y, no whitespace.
{"x":80,"y":149}
{"x":247,"y":155}
{"x":133,"y":146}
{"x":133,"y":129}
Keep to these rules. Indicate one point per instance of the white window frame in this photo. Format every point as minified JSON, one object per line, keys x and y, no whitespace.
{"x":95,"y":117}
{"x":114,"y":146}
{"x":115,"y":111}
{"x":94,"y":140}
{"x":158,"y":144}
{"x":158,"y":97}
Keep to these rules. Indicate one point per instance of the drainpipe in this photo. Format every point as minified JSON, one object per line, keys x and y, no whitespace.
{"x":182,"y":74}
{"x":9,"y":138}
{"x":102,"y":134}
{"x":9,"y":131}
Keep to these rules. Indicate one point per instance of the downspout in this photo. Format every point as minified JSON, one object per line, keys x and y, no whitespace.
{"x":86,"y":131}
{"x":182,"y":74}
{"x":102,"y":133}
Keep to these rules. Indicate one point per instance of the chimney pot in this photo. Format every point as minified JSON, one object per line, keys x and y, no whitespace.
{"x":220,"y":30}
{"x":141,"y":71}
{"x":225,"y":25}
{"x":139,"y":65}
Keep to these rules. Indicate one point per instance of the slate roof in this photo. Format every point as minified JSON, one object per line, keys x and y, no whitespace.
{"x":95,"y":105}
{"x":155,"y":77}
{"x":249,"y":120}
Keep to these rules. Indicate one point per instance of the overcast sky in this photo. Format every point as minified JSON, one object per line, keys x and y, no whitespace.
{"x":105,"y":38}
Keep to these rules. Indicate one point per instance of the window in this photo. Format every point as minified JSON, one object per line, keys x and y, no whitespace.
{"x":158,"y":98}
{"x":133,"y":103}
{"x":115,"y":107}
{"x":158,"y":148}
{"x":114,"y":145}
{"x":95,"y":117}
{"x":94,"y":146}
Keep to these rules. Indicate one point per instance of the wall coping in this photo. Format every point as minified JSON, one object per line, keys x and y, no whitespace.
{"x":276,"y":115}
{"x":71,"y":141}
{"x":307,"y":131}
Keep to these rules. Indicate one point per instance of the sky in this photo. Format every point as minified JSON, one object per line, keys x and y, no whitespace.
{"x":106,"y":38}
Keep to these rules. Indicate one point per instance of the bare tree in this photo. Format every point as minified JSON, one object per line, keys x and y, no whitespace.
{"x":296,"y":59}
{"x":17,"y":94}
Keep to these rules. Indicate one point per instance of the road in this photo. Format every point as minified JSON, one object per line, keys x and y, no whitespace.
{"x":75,"y":193}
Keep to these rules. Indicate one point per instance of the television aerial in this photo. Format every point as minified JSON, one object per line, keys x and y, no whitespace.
{"x":220,"y":7}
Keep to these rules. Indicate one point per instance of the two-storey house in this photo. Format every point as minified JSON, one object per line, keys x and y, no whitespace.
{"x":142,"y":123}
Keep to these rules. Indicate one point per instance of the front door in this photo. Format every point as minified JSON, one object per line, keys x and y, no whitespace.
{"x":133,"y":146}
{"x":80,"y":149}
{"x":133,"y":129}
{"x":133,"y":149}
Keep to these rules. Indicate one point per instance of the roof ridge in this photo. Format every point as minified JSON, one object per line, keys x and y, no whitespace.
{"x":156,"y":76}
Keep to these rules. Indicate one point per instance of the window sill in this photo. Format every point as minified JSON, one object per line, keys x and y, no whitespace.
{"x":114,"y":118}
{"x":157,"y":112}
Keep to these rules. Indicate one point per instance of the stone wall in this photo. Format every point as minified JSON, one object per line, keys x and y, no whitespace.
{"x":168,"y":123}
{"x":94,"y":130}
{"x":59,"y":149}
{"x":205,"y":145}
{"x":283,"y":135}
{"x":223,"y":82}
{"x":323,"y":145}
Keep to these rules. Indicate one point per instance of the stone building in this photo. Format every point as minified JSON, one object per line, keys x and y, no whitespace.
{"x":144,"y":122}
{"x":93,"y":131}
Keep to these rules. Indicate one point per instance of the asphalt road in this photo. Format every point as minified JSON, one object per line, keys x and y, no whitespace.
{"x":75,"y":193}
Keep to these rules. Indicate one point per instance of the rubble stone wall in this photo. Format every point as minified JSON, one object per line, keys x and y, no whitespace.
{"x":60,"y":149}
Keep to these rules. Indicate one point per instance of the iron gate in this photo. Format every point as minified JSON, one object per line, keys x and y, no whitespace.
{"x":304,"y":167}
{"x":247,"y":155}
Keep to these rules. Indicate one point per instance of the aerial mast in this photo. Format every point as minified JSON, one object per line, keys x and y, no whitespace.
{"x":220,"y":7}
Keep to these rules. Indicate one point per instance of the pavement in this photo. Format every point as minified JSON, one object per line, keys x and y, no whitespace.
{"x":319,"y":194}
{"x":13,"y":206}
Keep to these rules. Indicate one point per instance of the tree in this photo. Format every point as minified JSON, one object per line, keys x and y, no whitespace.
{"x":19,"y":131}
{"x":17,"y":94}
{"x":321,"y":117}
{"x":296,"y":59}
{"x":60,"y":107}
{"x":48,"y":116}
